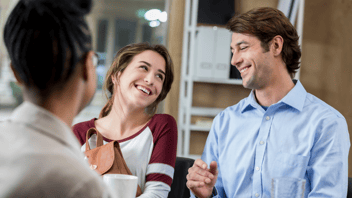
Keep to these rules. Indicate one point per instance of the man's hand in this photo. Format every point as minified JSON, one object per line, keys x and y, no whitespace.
{"x":200,"y":179}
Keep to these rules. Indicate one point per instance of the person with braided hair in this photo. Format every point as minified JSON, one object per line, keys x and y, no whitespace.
{"x":49,"y":44}
{"x":139,"y":78}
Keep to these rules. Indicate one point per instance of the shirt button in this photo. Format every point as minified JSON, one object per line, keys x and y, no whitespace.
{"x":257,"y":168}
{"x":256,"y":195}
{"x":267,"y":118}
{"x":261,"y":142}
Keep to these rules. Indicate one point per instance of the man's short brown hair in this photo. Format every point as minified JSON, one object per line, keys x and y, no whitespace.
{"x":266,"y":23}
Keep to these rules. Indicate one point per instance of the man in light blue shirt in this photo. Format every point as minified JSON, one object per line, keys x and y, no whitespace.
{"x":279,"y":130}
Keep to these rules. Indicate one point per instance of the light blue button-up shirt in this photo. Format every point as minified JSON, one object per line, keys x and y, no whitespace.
{"x":300,"y":136}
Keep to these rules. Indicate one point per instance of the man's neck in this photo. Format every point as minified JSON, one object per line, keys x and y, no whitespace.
{"x":273,"y":93}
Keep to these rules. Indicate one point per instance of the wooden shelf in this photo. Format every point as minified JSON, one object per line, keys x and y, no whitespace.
{"x":205,"y":111}
{"x":218,"y":80}
{"x":199,"y":128}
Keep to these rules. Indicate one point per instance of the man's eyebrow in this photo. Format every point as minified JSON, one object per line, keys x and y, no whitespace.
{"x":149,"y":65}
{"x":241,"y":42}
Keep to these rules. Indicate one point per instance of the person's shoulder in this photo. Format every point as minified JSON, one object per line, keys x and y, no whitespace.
{"x":325,"y":110}
{"x":85,"y":124}
{"x":59,"y":174}
{"x":162,"y":123}
{"x":164,"y":118}
{"x":80,"y":129}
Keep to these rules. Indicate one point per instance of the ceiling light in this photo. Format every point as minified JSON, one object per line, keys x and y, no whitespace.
{"x":154,"y":23}
{"x":163,"y":16}
{"x":152,"y":14}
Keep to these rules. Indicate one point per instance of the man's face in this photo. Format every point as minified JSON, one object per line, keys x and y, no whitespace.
{"x":254,"y":64}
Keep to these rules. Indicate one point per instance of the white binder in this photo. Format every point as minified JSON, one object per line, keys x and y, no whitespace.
{"x":213,"y":54}
{"x":204,"y":52}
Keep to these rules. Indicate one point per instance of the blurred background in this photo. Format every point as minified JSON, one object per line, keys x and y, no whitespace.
{"x":326,"y":69}
{"x":114,"y":24}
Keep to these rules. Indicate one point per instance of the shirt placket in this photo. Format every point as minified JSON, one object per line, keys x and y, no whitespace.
{"x":261,"y":143}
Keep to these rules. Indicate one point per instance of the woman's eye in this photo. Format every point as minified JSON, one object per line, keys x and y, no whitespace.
{"x":144,"y":67}
{"x":160,"y":76}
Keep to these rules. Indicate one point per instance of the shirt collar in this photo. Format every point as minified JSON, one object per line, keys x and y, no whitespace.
{"x":45,"y":122}
{"x":295,"y":98}
{"x":250,"y":103}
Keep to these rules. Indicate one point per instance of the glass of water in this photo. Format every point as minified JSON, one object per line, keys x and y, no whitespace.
{"x":287,"y":187}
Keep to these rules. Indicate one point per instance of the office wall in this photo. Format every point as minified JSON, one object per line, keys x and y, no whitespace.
{"x":242,"y":6}
{"x":174,"y":45}
{"x":5,"y":6}
{"x":327,"y":55}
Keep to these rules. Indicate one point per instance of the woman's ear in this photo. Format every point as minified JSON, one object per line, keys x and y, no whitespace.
{"x":90,"y":63}
{"x":17,"y":77}
{"x":115,"y":78}
{"x":277,"y":44}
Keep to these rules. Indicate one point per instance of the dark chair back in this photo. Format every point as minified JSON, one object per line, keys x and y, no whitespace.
{"x":349,"y":191}
{"x":178,"y":186}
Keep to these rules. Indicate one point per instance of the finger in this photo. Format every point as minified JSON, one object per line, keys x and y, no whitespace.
{"x":213,"y":167}
{"x":207,"y":177}
{"x":198,"y":178}
{"x":200,"y":163}
{"x":197,"y":171}
{"x":194,"y":184}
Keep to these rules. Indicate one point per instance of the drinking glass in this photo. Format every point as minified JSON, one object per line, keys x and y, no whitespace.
{"x":287,"y":187}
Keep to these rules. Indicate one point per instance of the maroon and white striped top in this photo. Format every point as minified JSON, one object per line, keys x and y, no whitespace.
{"x":150,"y":154}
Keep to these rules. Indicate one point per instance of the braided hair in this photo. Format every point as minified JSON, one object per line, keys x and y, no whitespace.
{"x":46,"y":39}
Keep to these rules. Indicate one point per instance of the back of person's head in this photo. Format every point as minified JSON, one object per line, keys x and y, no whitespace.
{"x":266,"y":23}
{"x":46,"y":39}
{"x":123,"y":58}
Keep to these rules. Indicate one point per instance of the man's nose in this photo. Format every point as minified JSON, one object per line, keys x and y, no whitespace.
{"x":236,"y":60}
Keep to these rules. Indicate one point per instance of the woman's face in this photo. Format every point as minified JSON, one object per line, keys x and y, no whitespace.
{"x":140,"y":84}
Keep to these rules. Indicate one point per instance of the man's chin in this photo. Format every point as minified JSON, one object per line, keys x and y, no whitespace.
{"x":246,"y":84}
{"x":251,"y":83}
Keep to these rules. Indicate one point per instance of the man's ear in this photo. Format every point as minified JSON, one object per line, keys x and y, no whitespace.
{"x":89,"y":65}
{"x":18,"y":79}
{"x":276,"y":45}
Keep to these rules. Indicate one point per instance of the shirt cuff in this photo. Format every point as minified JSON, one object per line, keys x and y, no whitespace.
{"x":214,"y":194}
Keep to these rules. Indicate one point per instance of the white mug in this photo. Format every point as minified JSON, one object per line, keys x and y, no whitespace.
{"x":123,"y":186}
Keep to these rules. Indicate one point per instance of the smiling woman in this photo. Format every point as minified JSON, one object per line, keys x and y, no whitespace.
{"x":138,"y":80}
{"x":118,"y":23}
{"x":125,"y":57}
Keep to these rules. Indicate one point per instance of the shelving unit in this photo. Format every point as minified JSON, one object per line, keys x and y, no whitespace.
{"x":186,"y":110}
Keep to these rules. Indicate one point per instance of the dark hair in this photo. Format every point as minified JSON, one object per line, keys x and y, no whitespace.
{"x":266,"y":23}
{"x":123,"y":58}
{"x":46,"y":39}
